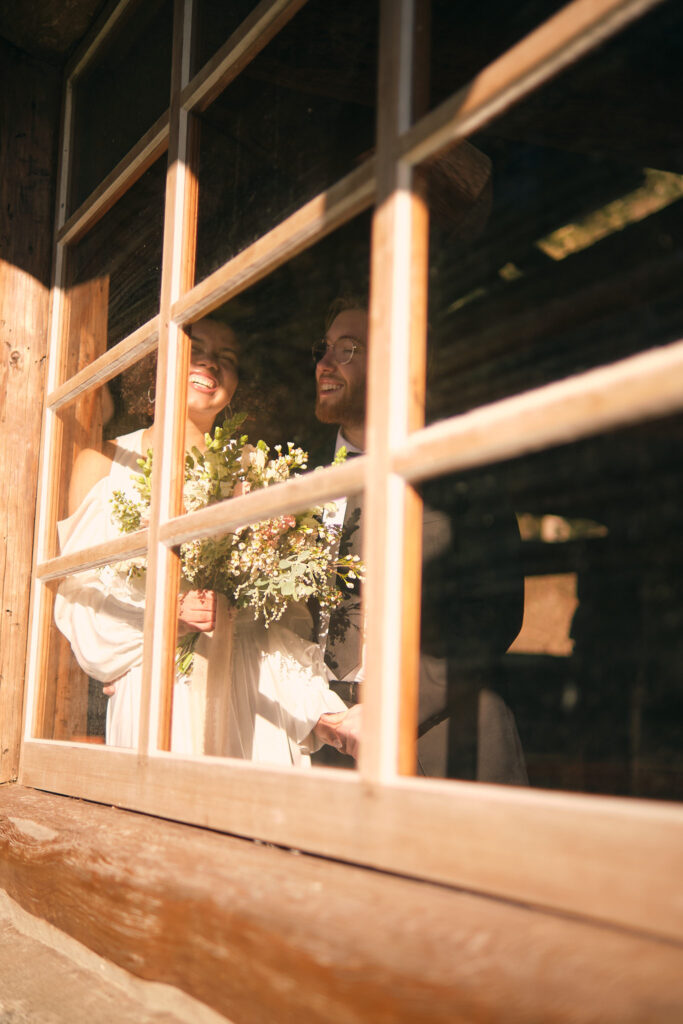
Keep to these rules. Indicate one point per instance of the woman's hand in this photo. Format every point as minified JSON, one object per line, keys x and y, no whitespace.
{"x":342,"y":729}
{"x":196,"y":611}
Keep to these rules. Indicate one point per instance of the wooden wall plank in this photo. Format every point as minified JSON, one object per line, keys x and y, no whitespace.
{"x":29,"y":115}
{"x":260,"y":934}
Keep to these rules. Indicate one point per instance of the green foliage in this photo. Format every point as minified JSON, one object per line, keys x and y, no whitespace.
{"x":261,"y":566}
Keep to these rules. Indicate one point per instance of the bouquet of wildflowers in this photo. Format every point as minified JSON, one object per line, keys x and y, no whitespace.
{"x":262,"y":566}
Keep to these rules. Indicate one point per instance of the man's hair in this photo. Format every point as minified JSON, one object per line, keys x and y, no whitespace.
{"x":344,"y":302}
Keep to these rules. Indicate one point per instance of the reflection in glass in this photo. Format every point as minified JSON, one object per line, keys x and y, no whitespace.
{"x":570,"y":257}
{"x":114,"y":272}
{"x":297,"y":118}
{"x":590,"y":683}
{"x":121,"y":93}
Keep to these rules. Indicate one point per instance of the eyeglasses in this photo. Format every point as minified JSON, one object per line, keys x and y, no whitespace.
{"x":343,"y":350}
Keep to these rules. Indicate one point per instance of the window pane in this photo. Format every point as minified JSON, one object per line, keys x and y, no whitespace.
{"x":256,"y":352}
{"x":73,"y":706}
{"x":465,"y":38}
{"x":275,"y":323}
{"x":121,"y":94}
{"x":556,"y":236}
{"x":588,"y":695}
{"x":96,"y":637}
{"x":114,"y":272}
{"x":298,"y":118}
{"x":214,"y":22}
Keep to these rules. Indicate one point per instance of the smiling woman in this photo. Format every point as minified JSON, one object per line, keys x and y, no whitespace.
{"x":213,"y":376}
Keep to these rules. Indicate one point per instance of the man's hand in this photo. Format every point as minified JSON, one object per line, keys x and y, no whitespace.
{"x":196,"y":611}
{"x":342,"y":729}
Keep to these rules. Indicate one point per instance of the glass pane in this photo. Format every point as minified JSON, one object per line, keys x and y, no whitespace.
{"x":555,"y":241}
{"x":271,"y":688}
{"x":96,"y":637}
{"x":275,"y":323}
{"x":252,"y":682}
{"x":215,"y":21}
{"x":121,"y":93}
{"x":298,"y":118}
{"x":114,"y":272}
{"x":582,"y":692}
{"x":73,"y":705}
{"x":464,"y":38}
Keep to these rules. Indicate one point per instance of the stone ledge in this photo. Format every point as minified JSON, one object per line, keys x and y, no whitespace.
{"x":48,"y":978}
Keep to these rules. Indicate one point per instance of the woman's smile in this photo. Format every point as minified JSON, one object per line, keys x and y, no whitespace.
{"x":203,"y":382}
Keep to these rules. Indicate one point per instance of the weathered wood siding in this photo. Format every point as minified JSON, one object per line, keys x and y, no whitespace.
{"x":29,"y":118}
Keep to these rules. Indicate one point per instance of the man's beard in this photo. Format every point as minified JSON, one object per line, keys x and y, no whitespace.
{"x":344,"y":410}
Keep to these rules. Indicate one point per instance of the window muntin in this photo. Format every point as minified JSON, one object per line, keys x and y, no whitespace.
{"x":265,"y":809}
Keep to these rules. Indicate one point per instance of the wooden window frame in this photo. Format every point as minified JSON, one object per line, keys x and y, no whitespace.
{"x":612,"y":859}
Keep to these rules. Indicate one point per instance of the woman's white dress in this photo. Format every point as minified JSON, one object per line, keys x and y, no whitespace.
{"x":279,"y":683}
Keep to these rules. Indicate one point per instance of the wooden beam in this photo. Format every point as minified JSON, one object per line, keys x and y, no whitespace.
{"x":108,"y":365}
{"x":258,"y":933}
{"x":291,"y":496}
{"x":396,"y":352}
{"x":178,"y":264}
{"x":129,"y":545}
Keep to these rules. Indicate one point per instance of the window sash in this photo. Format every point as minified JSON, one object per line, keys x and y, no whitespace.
{"x":514,"y":843}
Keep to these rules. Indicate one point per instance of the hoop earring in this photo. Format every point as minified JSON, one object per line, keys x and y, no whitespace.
{"x":151,"y":395}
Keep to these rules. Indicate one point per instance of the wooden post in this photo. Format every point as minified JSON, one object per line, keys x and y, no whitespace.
{"x":29,"y":113}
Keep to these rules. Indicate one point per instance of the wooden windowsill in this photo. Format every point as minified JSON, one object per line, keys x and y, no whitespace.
{"x":258,"y":932}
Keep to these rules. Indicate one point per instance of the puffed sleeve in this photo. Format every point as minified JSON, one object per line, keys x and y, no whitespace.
{"x":98,"y":611}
